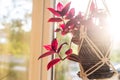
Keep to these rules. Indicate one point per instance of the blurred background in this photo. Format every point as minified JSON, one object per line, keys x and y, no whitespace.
{"x":15,"y":28}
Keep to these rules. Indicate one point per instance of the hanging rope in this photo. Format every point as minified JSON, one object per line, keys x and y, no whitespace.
{"x":104,"y":59}
{"x":97,"y":52}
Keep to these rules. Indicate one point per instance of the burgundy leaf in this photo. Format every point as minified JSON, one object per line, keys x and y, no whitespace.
{"x":65,"y":9}
{"x":47,"y":47}
{"x":55,"y":20}
{"x":61,"y":46}
{"x":54,"y":11}
{"x":79,"y":16}
{"x":73,"y":57}
{"x":54,"y":44}
{"x":62,"y":26}
{"x":46,"y":54}
{"x":92,"y":7}
{"x":59,"y":6}
{"x":70,"y":23}
{"x":68,"y":52}
{"x":70,"y":14}
{"x":57,"y":30}
{"x":52,"y":63}
{"x":65,"y":31}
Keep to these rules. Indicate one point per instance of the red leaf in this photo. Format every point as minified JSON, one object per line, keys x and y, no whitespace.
{"x":70,"y":14}
{"x":47,"y":47}
{"x":61,"y":47}
{"x":59,"y":6}
{"x":54,"y":11}
{"x":65,"y":9}
{"x":79,"y":16}
{"x":62,"y":26}
{"x":73,"y":57}
{"x":70,"y":23}
{"x":65,"y":31}
{"x":52,"y":63}
{"x":68,"y":52}
{"x":54,"y":44}
{"x":46,"y":54}
{"x":55,"y":20}
{"x":92,"y":7}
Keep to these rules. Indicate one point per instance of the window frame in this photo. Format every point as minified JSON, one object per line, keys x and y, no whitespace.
{"x":41,"y":34}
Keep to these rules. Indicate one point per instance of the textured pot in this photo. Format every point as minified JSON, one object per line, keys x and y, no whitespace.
{"x":101,"y":39}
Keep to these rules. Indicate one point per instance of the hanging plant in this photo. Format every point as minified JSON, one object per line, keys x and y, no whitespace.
{"x":89,"y":32}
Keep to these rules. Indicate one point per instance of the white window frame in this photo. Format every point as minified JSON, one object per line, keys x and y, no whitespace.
{"x":41,"y":34}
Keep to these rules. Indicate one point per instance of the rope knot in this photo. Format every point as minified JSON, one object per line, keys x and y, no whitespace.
{"x":104,"y":60}
{"x":83,"y":35}
{"x":83,"y":31}
{"x":83,"y":75}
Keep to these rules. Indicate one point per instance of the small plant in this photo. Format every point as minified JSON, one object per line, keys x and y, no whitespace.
{"x":68,"y":23}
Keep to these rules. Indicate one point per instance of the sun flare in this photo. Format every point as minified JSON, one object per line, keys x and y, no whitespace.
{"x":113,"y":21}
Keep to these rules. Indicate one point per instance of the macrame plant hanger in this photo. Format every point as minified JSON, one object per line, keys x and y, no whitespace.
{"x":104,"y":59}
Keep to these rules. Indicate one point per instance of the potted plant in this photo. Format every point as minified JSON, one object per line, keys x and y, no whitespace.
{"x":90,"y":32}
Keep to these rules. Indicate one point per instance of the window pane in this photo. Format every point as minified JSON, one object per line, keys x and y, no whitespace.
{"x":15,"y":28}
{"x":68,"y":70}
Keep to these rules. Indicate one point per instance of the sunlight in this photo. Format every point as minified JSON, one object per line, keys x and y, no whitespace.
{"x":114,"y":21}
{"x":79,"y":5}
{"x":114,"y":24}
{"x":115,"y":29}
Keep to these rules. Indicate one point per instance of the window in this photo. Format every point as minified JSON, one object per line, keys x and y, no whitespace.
{"x":42,"y":34}
{"x":15,"y":28}
{"x":68,"y":70}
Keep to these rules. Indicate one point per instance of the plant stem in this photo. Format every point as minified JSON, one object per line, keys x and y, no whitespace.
{"x":59,"y":56}
{"x":64,"y":58}
{"x":63,"y":20}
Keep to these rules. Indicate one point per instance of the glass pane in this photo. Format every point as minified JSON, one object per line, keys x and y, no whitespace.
{"x":15,"y":28}
{"x":68,"y":70}
{"x":115,"y":27}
